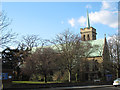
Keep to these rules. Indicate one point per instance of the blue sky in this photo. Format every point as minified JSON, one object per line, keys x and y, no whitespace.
{"x":47,"y":19}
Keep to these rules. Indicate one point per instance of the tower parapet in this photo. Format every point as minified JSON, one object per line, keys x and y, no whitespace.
{"x":88,"y":33}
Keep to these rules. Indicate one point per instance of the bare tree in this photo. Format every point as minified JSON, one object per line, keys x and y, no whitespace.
{"x":26,"y":47}
{"x":46,"y":61}
{"x":29,"y":66}
{"x":6,"y":36}
{"x":18,"y":56}
{"x":71,"y":49}
{"x":31,"y":41}
{"x":114,"y":48}
{"x":28,"y":43}
{"x":41,"y":62}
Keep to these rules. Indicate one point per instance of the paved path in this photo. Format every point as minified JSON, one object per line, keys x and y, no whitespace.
{"x":98,"y":87}
{"x":95,"y":87}
{"x":82,"y":87}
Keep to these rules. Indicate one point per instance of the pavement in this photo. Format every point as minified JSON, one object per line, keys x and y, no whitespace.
{"x":95,"y":87}
{"x":82,"y":87}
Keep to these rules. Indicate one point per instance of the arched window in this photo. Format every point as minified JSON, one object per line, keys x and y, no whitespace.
{"x":83,"y":37}
{"x":88,"y":37}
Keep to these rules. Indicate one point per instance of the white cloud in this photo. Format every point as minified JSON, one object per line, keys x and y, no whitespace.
{"x":108,"y":6}
{"x":72,"y":22}
{"x":106,"y":17}
{"x":105,"y":5}
{"x":82,"y":21}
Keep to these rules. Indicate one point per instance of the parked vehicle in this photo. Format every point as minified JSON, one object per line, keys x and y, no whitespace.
{"x":116,"y":82}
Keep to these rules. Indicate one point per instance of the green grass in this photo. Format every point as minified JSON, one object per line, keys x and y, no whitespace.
{"x":31,"y":82}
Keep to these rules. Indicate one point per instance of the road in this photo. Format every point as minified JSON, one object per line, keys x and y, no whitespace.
{"x":102,"y":87}
{"x":99,"y":87}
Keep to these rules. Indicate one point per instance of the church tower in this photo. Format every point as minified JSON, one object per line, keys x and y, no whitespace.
{"x":88,"y":33}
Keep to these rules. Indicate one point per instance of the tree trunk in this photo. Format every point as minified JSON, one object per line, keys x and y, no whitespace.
{"x":45,"y":78}
{"x":118,"y":61}
{"x":69,"y":71}
{"x":76,"y":76}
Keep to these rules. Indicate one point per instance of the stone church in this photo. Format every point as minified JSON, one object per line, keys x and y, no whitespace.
{"x":97,"y":59}
{"x":97,"y":67}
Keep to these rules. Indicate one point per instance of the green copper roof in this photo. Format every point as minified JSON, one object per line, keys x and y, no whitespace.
{"x":88,"y":22}
{"x":96,"y":51}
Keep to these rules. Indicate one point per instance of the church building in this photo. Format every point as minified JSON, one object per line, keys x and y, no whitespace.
{"x":98,"y":59}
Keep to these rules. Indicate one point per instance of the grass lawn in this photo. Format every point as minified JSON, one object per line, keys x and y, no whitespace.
{"x":31,"y":82}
